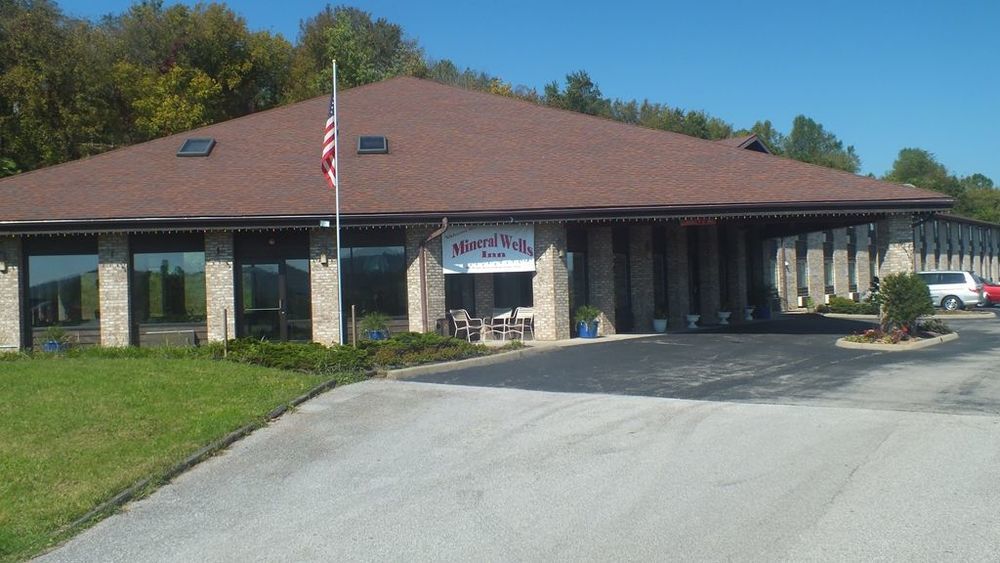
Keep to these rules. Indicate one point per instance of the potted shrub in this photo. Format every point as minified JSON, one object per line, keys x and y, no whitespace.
{"x":586,"y":321}
{"x":375,"y":326}
{"x":55,"y":339}
{"x":660,"y":320}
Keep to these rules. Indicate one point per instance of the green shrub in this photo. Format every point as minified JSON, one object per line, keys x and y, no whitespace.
{"x":414,"y":348}
{"x":846,"y":306}
{"x":935,"y":326}
{"x":296,"y":356}
{"x":905,"y":298}
{"x":587,"y":313}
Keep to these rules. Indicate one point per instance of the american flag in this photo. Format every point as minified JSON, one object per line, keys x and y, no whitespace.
{"x":329,"y":163}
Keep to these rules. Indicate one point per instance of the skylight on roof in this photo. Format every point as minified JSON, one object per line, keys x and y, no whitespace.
{"x":373,"y":144}
{"x":197,"y":146}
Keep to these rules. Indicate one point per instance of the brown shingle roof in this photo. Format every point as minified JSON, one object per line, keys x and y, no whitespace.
{"x":451,"y":151}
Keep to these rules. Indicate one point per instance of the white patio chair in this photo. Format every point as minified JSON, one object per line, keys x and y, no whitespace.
{"x":521,"y":323}
{"x":465,"y":323}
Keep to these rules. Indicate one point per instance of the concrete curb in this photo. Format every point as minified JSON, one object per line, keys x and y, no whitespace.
{"x":197,"y":457}
{"x":441,"y":367}
{"x":901,"y":347}
{"x":966,"y":316}
{"x":528,"y":350}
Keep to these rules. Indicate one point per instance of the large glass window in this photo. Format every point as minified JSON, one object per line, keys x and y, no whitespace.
{"x":374,"y":272}
{"x":576,"y":270}
{"x":62,"y":287}
{"x":168,"y":280}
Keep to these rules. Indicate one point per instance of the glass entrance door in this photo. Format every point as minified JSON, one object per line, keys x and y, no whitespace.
{"x":275,"y":299}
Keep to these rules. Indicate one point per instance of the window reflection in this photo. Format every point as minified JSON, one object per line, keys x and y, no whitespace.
{"x":375,"y":279}
{"x":169,"y":287}
{"x":63,"y":290}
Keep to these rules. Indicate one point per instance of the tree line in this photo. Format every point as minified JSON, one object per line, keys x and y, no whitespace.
{"x":71,"y":88}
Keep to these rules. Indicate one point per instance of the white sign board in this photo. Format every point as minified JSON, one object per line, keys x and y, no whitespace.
{"x":484,"y":250}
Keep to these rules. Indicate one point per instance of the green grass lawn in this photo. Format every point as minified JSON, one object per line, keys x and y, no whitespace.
{"x":75,"y":432}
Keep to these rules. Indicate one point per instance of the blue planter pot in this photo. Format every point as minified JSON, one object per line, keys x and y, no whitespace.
{"x":52,"y":346}
{"x":377,"y":334}
{"x":587,"y":330}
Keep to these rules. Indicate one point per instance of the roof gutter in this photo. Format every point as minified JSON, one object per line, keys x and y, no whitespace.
{"x":722,"y":210}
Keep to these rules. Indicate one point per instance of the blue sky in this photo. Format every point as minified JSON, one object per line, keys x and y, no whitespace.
{"x":881,"y":75}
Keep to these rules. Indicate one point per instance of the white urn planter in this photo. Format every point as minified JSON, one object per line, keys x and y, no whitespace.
{"x":659,"y":325}
{"x":748,"y":313}
{"x":692,"y":320}
{"x":724,"y":317}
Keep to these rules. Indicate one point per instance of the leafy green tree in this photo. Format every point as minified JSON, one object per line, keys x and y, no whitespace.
{"x":809,"y":142}
{"x":580,"y":94}
{"x":366,"y":51}
{"x":919,"y":168}
{"x":769,"y":135}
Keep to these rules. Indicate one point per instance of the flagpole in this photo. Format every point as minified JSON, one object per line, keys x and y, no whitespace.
{"x":336,"y":192}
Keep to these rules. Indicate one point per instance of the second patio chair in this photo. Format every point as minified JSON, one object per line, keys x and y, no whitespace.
{"x":464,"y":323}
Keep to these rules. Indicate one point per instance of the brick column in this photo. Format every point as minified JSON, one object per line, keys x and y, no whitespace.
{"x":601,"y":276}
{"x":550,"y":284}
{"x":220,"y":284}
{"x":113,"y":290}
{"x":641,"y":270}
{"x":862,"y":259}
{"x":323,"y":286}
{"x":708,"y":247}
{"x":895,"y":244}
{"x":737,"y":282}
{"x":817,"y":287}
{"x":484,"y":295}
{"x":435,"y":279}
{"x":677,"y":272}
{"x":841,"y":282}
{"x":10,"y":294}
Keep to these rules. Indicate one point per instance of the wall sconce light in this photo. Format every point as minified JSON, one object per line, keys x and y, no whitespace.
{"x":3,"y":262}
{"x":323,"y":259}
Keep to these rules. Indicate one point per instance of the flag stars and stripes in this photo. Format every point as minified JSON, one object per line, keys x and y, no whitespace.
{"x":329,"y":161}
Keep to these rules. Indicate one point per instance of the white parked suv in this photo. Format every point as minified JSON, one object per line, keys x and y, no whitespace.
{"x":953,"y":290}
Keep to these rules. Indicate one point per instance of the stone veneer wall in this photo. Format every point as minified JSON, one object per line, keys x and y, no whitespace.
{"x":841,"y":281}
{"x":601,"y":272}
{"x":113,"y":290}
{"x":895,"y":243}
{"x":324,"y":286}
{"x":550,"y":284}
{"x":435,"y":279}
{"x":641,"y":271}
{"x":10,"y":293}
{"x":220,"y":284}
{"x":817,"y":285}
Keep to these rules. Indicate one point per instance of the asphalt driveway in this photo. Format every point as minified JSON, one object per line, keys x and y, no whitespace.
{"x":410,"y":471}
{"x":788,"y":361}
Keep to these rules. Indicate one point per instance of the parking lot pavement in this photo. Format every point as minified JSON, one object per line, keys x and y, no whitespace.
{"x":790,"y":361}
{"x":387,"y":470}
